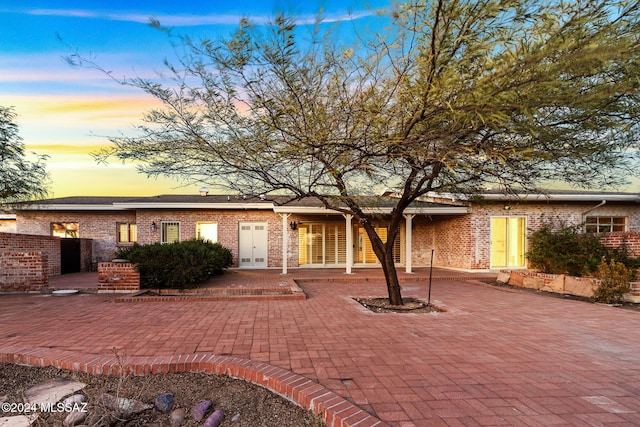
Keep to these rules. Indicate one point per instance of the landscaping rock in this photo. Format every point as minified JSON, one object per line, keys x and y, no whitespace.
{"x":199,"y":411}
{"x":580,"y":286}
{"x":17,"y":421}
{"x":214,"y":419}
{"x":125,"y":407}
{"x":164,"y":402}
{"x":503,"y":277}
{"x":52,"y":391}
{"x":75,"y":418}
{"x":177,"y":417}
{"x":74,"y":399}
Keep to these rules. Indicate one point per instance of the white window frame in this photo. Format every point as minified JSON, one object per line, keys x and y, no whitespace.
{"x":163,"y":237}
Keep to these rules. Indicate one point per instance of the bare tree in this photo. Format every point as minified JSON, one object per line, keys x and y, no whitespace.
{"x":460,"y":94}
{"x":20,"y":179}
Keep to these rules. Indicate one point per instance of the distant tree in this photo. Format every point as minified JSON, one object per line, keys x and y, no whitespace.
{"x":20,"y":179}
{"x":460,"y":94}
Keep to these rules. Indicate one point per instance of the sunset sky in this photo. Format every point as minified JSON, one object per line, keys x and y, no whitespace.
{"x":68,"y":113}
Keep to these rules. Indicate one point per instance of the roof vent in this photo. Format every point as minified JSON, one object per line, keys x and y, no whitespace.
{"x":203,"y":191}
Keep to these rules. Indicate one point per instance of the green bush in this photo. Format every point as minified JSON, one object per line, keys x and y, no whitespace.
{"x":614,"y":281}
{"x":177,"y":265}
{"x":564,"y":250}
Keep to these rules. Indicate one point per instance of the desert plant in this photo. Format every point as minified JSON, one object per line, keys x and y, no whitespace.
{"x":177,"y":265}
{"x":614,"y":281}
{"x":565,"y":250}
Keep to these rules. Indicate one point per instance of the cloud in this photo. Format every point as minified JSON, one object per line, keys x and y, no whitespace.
{"x":187,"y":20}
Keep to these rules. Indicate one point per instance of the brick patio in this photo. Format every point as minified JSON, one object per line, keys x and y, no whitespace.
{"x":496,"y":357}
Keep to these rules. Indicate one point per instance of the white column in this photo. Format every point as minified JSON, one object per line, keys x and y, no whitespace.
{"x":408,"y":254}
{"x":348,"y":218}
{"x":285,"y":240}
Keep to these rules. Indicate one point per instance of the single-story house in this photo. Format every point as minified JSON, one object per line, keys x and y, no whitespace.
{"x":261,"y":233}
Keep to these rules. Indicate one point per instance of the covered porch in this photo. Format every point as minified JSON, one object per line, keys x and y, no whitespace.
{"x":323,"y":238}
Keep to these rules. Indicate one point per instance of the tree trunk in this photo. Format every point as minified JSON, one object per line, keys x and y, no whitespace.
{"x":384,"y":253}
{"x":391,"y":277}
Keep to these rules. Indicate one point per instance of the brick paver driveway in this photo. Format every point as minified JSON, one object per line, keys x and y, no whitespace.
{"x":496,"y":357}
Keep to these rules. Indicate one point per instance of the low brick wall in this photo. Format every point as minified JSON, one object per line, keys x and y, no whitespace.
{"x":47,"y":245}
{"x":23,"y":271}
{"x":121,"y":277}
{"x":561,"y":284}
{"x":557,"y":283}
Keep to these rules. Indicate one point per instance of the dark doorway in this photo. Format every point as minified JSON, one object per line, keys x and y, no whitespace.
{"x":69,"y":256}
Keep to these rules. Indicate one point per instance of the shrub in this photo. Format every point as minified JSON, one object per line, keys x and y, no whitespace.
{"x":565,"y":250}
{"x":614,"y":281}
{"x":177,"y":265}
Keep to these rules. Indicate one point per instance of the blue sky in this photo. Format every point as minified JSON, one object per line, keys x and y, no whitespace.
{"x":67,"y":112}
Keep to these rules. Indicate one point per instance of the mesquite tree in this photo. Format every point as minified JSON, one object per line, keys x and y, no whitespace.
{"x":457,"y":95}
{"x":20,"y":178}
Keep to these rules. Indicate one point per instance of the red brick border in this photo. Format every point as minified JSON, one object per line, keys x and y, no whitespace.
{"x":336,"y":411}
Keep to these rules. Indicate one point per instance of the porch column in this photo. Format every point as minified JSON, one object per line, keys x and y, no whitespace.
{"x":348,"y":218}
{"x":285,"y":240}
{"x":407,"y":240}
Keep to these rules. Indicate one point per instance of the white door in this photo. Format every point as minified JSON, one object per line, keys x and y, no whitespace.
{"x":253,"y":244}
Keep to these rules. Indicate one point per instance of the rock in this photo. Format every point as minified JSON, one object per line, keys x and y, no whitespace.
{"x":164,"y":402}
{"x":74,"y":418}
{"x":199,"y":411}
{"x":125,"y":407}
{"x":71,"y":400}
{"x":235,"y":418}
{"x":52,"y":391}
{"x":177,"y":417}
{"x":18,"y":421}
{"x":214,"y":419}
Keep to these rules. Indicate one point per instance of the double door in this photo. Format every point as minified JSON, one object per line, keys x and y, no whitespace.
{"x":253,"y":245}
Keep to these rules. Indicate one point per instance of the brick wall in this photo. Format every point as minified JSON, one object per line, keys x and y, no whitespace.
{"x":465,"y":241}
{"x":23,"y":271}
{"x":630,"y":239}
{"x":228,"y":229}
{"x":98,"y":226}
{"x":118,"y":277}
{"x":47,"y":245}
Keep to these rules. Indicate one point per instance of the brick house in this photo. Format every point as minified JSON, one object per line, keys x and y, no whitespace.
{"x":261,"y":233}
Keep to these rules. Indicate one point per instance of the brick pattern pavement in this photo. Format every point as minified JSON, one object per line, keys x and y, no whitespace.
{"x":496,"y":357}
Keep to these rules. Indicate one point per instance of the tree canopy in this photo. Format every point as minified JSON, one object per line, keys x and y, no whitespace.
{"x":455,"y":96}
{"x":20,"y":179}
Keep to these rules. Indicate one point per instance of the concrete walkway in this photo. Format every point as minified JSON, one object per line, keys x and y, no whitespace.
{"x":496,"y":357}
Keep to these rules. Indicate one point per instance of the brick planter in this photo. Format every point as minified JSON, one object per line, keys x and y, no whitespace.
{"x":120,"y":277}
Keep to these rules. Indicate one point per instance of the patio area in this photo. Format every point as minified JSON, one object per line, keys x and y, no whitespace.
{"x":495,"y":357}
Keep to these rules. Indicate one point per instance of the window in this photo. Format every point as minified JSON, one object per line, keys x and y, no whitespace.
{"x":170,"y":232}
{"x":207,"y":231}
{"x":69,"y":230}
{"x":508,"y":241}
{"x":127,"y":233}
{"x":322,"y":244}
{"x":605,"y":224}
